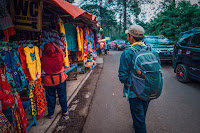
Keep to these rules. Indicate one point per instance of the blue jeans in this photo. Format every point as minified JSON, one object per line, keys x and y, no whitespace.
{"x":51,"y":97}
{"x":138,"y":111}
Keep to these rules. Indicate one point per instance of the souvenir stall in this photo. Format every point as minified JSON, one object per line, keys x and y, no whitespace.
{"x":86,"y":40}
{"x":21,"y":87}
{"x":23,"y":35}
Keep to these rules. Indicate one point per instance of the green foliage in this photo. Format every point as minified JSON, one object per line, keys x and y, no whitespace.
{"x":174,"y":20}
{"x":105,"y":16}
{"x":111,"y":11}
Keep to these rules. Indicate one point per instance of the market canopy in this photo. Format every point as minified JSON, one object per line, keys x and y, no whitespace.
{"x":73,"y":11}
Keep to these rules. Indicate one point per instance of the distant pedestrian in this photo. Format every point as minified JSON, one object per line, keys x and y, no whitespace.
{"x":55,"y":78}
{"x":138,"y":107}
{"x":108,"y":48}
{"x":105,"y":47}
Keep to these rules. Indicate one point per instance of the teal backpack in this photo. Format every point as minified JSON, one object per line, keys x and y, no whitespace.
{"x":148,"y":85}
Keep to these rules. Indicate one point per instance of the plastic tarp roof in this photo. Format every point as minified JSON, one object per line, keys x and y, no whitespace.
{"x":72,"y":10}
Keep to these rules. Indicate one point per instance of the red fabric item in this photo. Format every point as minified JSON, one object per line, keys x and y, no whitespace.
{"x":85,"y":43}
{"x":78,"y":53}
{"x":63,"y":41}
{"x":23,"y":63}
{"x":22,"y":113}
{"x":5,"y":92}
{"x":94,"y":45}
{"x":8,"y":32}
{"x":52,"y":61}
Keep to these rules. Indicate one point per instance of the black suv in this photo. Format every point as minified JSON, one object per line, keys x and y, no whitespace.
{"x":186,"y":56}
{"x":162,"y":45}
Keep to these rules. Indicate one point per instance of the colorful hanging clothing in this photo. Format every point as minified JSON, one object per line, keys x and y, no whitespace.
{"x":80,"y":53}
{"x":32,"y":100}
{"x":80,"y":46}
{"x":62,"y":26}
{"x":6,"y":21}
{"x":23,"y":63}
{"x":90,"y":47}
{"x":70,"y":32}
{"x":14,"y":73}
{"x":33,"y":62}
{"x":85,"y":44}
{"x":5,"y":126}
{"x":39,"y":97}
{"x":20,"y":117}
{"x":66,"y":59}
{"x":64,"y":41}
{"x":94,"y":54}
{"x":5,"y":92}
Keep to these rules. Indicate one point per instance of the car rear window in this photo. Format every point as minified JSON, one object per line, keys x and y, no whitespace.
{"x":195,"y":41}
{"x":156,"y":40}
{"x":183,"y":40}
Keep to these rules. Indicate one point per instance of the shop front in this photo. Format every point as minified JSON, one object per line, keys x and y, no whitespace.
{"x":25,"y":27}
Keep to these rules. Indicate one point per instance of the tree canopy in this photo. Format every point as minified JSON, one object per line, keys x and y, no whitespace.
{"x":174,"y":20}
{"x":173,"y":17}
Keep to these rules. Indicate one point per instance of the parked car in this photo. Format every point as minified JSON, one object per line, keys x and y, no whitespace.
{"x":119,"y":44}
{"x":186,"y":56}
{"x":162,"y":45}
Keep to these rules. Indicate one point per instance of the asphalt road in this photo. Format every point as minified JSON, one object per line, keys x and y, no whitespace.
{"x":177,"y":110}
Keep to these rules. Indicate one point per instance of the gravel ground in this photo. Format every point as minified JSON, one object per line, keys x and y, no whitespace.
{"x":79,"y":107}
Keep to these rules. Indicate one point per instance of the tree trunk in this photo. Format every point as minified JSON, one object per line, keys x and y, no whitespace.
{"x":124,"y":4}
{"x":111,"y":32}
{"x":120,"y":23}
{"x":100,"y":12}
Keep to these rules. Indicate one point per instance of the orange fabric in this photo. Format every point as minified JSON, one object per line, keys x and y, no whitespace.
{"x":85,"y":48}
{"x":80,"y":53}
{"x":90,"y":47}
{"x":23,"y":63}
{"x":39,"y":96}
{"x":56,"y":78}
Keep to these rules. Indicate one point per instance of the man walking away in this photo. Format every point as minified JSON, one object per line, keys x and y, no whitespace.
{"x":138,"y":107}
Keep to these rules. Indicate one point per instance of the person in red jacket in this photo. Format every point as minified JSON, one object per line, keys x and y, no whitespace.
{"x":55,"y":78}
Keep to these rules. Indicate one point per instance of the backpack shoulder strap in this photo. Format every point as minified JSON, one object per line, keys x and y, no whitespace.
{"x":134,"y":49}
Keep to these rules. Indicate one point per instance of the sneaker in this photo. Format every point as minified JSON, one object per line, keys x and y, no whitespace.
{"x":51,"y":116}
{"x":66,"y":113}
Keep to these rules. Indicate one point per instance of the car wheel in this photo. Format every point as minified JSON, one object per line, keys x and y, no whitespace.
{"x":182,"y":73}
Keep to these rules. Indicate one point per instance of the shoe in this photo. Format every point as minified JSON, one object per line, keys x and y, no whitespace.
{"x":66,"y":113}
{"x":51,"y":116}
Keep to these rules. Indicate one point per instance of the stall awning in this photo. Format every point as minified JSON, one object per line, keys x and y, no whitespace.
{"x":94,"y":18}
{"x":72,"y":10}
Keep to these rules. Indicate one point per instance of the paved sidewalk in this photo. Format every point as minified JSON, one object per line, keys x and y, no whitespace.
{"x":44,"y":124}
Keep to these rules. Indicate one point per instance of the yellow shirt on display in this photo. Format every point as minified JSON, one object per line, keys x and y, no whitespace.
{"x":62,"y":26}
{"x":33,"y":62}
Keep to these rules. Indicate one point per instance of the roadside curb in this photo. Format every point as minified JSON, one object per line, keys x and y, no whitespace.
{"x":59,"y":115}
